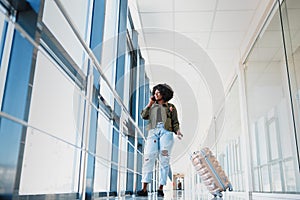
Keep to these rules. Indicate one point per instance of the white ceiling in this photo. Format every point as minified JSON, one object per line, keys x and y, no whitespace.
{"x":217,"y":26}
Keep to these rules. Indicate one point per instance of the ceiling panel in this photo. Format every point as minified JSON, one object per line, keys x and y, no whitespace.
{"x":161,"y":39}
{"x":195,"y":5}
{"x":223,"y":40}
{"x":193,"y":21}
{"x":157,"y":20}
{"x":184,"y":41}
{"x":232,"y":21}
{"x":155,"y":5}
{"x":238,"y":5}
{"x":201,"y":38}
{"x":160,"y":57}
{"x":223,"y":54}
{"x":225,"y":68}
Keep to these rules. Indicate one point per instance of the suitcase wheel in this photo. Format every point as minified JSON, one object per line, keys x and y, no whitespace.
{"x":218,"y":194}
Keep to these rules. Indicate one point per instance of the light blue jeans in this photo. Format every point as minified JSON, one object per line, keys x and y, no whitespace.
{"x":159,"y":143}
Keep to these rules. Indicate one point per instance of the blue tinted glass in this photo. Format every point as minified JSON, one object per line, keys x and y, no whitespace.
{"x":130,"y":163}
{"x":114,"y":158}
{"x":141,"y":92}
{"x":97,"y":27}
{"x":16,"y":88}
{"x":15,"y":101}
{"x":35,"y":4}
{"x":121,"y":48}
{"x":10,"y":136}
{"x":114,"y":178}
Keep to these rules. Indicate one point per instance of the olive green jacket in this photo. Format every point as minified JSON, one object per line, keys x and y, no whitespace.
{"x":169,"y":116}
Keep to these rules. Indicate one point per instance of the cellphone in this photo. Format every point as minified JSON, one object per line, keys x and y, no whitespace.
{"x":153,"y":98}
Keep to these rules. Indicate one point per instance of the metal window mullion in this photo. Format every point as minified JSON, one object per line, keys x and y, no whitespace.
{"x":246,"y":140}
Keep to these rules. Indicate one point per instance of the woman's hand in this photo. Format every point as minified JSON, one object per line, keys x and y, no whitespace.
{"x":179,"y":134}
{"x":151,"y":101}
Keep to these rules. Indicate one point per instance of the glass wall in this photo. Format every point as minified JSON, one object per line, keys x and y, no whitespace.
{"x":225,"y":138}
{"x":290,"y":14}
{"x":14,"y":104}
{"x":52,"y":151}
{"x":271,"y":120}
{"x":229,"y":147}
{"x":67,"y":124}
{"x":78,"y":12}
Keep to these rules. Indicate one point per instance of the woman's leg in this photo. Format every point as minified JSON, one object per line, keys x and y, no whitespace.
{"x":150,"y":155}
{"x":166,"y":144}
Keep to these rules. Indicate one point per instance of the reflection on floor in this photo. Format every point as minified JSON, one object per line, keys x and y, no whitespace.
{"x":177,"y":195}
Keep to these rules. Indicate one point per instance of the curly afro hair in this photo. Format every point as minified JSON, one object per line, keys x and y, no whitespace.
{"x":165,"y":90}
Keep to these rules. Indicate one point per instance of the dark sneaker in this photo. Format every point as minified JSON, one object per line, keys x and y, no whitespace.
{"x":142,"y":193}
{"x":160,"y":193}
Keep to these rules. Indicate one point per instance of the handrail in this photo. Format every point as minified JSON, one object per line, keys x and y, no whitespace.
{"x":24,"y":123}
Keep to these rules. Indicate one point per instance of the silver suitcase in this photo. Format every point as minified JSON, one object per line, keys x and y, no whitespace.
{"x":210,"y":171}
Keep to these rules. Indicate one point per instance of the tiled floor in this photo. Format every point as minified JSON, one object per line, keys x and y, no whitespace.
{"x":176,"y":195}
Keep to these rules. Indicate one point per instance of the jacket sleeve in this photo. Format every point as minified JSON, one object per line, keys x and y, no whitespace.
{"x":145,"y":113}
{"x":175,"y":122}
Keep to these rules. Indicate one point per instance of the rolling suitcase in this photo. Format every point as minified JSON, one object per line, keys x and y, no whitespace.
{"x":210,"y":171}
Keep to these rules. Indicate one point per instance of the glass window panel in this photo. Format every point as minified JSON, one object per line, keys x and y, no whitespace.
{"x":14,"y":102}
{"x":241,"y":181}
{"x":254,"y":144}
{"x":290,"y":176}
{"x":97,"y":28}
{"x":291,"y":27}
{"x":123,"y":164}
{"x":267,"y":90}
{"x":103,"y":154}
{"x":109,"y":47}
{"x":273,"y":140}
{"x":57,"y":110}
{"x":287,"y":140}
{"x":78,"y":11}
{"x":130,"y":163}
{"x":10,"y":134}
{"x":276,"y":178}
{"x":126,"y":77}
{"x":50,"y":165}
{"x":256,"y":178}
{"x":265,"y":179}
{"x":262,"y":142}
{"x":228,"y":144}
{"x":115,"y":159}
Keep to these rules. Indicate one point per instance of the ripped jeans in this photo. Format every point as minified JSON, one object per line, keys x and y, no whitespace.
{"x":159,"y":143}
